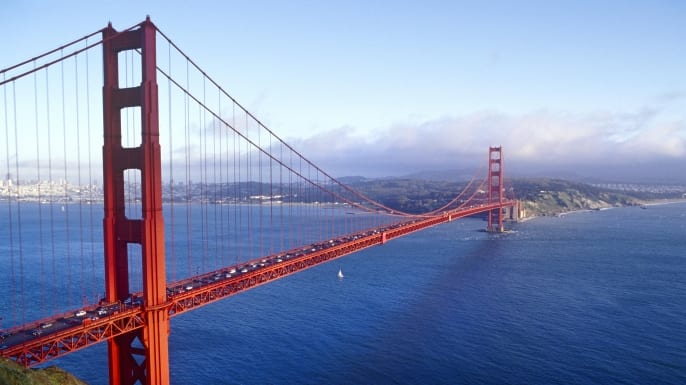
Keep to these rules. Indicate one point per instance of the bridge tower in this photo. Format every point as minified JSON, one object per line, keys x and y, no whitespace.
{"x":140,"y":356}
{"x":495,"y":188}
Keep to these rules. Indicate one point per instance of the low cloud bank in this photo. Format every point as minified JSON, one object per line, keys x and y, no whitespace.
{"x":642,"y":145}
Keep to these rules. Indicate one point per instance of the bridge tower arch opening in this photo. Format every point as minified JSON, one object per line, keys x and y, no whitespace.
{"x":140,"y":356}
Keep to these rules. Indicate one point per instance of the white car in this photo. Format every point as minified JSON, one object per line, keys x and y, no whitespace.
{"x":80,"y":313}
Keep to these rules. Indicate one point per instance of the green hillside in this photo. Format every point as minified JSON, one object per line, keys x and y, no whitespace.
{"x":12,"y":373}
{"x":540,"y":196}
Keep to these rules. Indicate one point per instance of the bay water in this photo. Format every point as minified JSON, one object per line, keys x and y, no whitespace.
{"x":595,"y":297}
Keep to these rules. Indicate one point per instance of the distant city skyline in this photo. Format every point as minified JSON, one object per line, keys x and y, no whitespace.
{"x":585,"y":88}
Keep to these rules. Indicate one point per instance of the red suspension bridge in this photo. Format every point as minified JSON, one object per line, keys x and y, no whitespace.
{"x":201,"y":201}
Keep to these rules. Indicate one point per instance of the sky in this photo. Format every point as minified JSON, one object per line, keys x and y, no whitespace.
{"x":589,"y":89}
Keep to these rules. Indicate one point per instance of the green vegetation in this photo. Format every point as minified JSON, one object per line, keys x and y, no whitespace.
{"x":410,"y":195}
{"x":12,"y":373}
{"x":540,"y":197}
{"x":552,"y":196}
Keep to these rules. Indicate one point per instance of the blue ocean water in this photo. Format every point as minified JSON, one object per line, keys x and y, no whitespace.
{"x":587,"y":298}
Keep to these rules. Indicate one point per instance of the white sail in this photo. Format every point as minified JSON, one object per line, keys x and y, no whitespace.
{"x":340,"y":273}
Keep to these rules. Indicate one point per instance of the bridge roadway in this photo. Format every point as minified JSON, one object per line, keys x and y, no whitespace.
{"x":47,"y":339}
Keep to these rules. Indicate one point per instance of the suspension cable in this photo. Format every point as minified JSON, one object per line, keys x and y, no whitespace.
{"x":260,"y":124}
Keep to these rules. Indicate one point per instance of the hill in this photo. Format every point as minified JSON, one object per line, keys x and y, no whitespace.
{"x":542,"y":197}
{"x":539,"y":196}
{"x":12,"y":373}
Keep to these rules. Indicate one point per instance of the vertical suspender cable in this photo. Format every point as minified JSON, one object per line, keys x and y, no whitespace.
{"x":204,"y":129}
{"x":310,"y":205}
{"x":332,"y":231}
{"x":260,"y":192}
{"x":321,"y":207}
{"x":283,"y":201}
{"x":218,"y":216}
{"x":50,"y":181}
{"x":79,"y":182}
{"x":249,"y":180}
{"x":236,"y":186}
{"x":19,"y":220}
{"x":40,"y":206}
{"x":227,"y":181}
{"x":10,"y":216}
{"x":227,"y":193}
{"x":64,"y":182}
{"x":91,"y":185}
{"x":187,"y":112}
{"x":271,"y":202}
{"x":170,"y":136}
{"x":291,"y":202}
{"x":300,"y":207}
{"x":203,"y":181}
{"x":224,"y":166}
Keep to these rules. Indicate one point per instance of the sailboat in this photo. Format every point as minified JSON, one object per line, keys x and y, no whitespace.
{"x":340,"y":274}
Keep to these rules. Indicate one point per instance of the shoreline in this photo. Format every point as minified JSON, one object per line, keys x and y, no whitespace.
{"x":644,"y":204}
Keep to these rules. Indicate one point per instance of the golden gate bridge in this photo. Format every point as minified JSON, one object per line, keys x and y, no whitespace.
{"x":187,"y":199}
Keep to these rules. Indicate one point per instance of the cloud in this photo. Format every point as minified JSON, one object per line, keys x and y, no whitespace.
{"x":540,"y":140}
{"x":600,"y":144}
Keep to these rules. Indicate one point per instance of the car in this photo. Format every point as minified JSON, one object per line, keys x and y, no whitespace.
{"x":133,"y":301}
{"x":37,"y":332}
{"x":80,"y":313}
{"x":4,"y":335}
{"x":45,"y":325}
{"x":101,"y":311}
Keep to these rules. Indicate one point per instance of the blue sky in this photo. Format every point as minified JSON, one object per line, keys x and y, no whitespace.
{"x":574,"y":86}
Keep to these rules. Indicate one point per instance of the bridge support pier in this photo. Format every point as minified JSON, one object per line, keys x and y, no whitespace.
{"x":140,"y":356}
